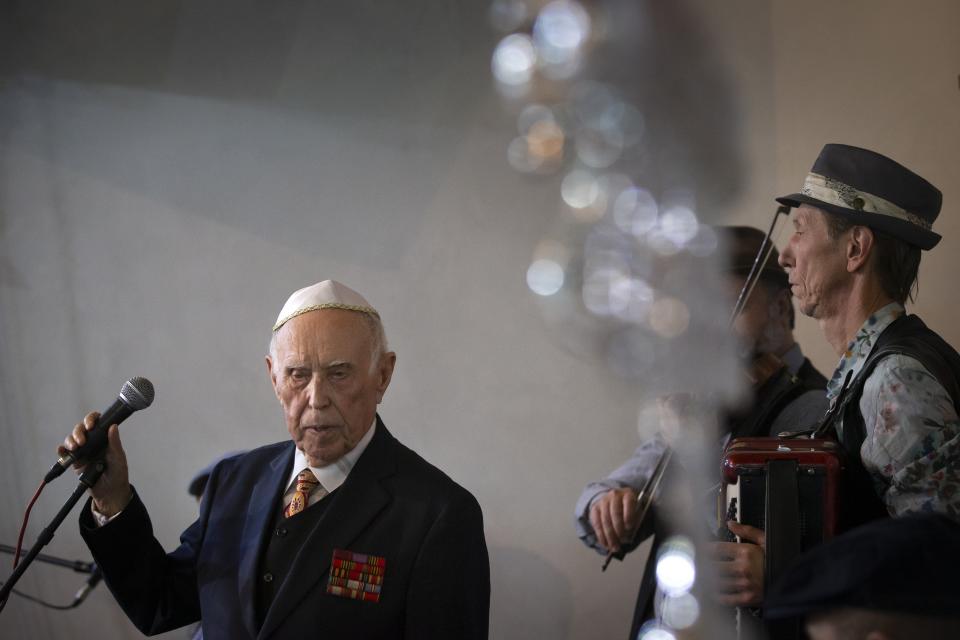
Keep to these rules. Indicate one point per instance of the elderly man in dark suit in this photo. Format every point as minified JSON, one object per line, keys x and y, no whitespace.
{"x":340,"y":532}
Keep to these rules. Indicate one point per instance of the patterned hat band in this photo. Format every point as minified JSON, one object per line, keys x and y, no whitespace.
{"x":840,"y":194}
{"x":327,"y":305}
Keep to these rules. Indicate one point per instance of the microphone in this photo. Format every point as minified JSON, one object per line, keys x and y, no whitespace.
{"x":136,"y":393}
{"x":96,"y":575}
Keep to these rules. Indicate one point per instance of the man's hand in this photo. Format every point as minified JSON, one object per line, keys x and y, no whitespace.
{"x":112,"y":491}
{"x":613,"y":516}
{"x":739,"y":567}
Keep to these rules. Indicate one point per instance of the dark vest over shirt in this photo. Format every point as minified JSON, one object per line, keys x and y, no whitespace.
{"x":908,"y":336}
{"x":287,"y":537}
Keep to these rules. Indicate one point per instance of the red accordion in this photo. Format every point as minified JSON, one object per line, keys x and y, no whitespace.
{"x":789,"y":487}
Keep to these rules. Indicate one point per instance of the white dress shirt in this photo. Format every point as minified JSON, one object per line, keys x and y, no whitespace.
{"x":330,"y":476}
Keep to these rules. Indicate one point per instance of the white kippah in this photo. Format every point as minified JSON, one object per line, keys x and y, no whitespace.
{"x":328,"y":294}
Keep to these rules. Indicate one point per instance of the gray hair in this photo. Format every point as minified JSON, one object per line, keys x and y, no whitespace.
{"x":377,"y":334}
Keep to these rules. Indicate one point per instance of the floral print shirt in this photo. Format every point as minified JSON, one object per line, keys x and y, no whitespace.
{"x":912,"y":446}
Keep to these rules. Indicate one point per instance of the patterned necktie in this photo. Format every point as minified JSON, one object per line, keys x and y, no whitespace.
{"x":306,"y":483}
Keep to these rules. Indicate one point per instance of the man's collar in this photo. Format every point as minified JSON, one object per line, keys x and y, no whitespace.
{"x":855,"y":355}
{"x":334,"y":474}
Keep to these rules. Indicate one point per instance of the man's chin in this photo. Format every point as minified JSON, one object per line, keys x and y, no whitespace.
{"x":321,"y":448}
{"x":323,"y":457}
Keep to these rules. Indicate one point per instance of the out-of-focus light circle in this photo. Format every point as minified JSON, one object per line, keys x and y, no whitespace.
{"x":519,"y":157}
{"x":676,"y":571}
{"x":630,"y":299}
{"x":560,"y":29}
{"x":599,"y":148}
{"x":596,"y":105}
{"x":545,"y":277}
{"x":662,"y":243}
{"x":704,"y":243}
{"x":679,"y":224}
{"x":531,"y":115}
{"x":596,"y":290}
{"x":545,"y":141}
{"x":680,"y":612}
{"x":669,"y":317}
{"x":652,"y":631}
{"x":635,"y":211}
{"x":579,"y":189}
{"x":563,"y":70}
{"x":514,"y":60}
{"x":508,"y":15}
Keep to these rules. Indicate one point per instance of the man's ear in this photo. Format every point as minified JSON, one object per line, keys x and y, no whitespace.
{"x":860,"y":245}
{"x":273,"y":376}
{"x":385,"y":370}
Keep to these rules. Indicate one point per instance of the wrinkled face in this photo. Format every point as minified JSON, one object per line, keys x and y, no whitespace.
{"x":816,"y":263}
{"x":328,"y":381}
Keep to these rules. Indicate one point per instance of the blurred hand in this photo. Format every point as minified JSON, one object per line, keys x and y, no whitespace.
{"x":613,"y":516}
{"x":112,"y":491}
{"x":739,"y":567}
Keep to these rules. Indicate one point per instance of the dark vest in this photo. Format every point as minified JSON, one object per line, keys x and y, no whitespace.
{"x":909,"y":336}
{"x":287,"y":536}
{"x":772,"y":397}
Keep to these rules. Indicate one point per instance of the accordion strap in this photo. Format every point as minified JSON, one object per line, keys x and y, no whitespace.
{"x":782,"y":532}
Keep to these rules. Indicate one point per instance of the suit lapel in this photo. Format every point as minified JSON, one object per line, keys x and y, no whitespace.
{"x":355,"y":505}
{"x":258,"y":521}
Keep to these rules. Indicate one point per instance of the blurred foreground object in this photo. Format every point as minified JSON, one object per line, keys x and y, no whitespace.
{"x":893,"y":578}
{"x":625,"y":106}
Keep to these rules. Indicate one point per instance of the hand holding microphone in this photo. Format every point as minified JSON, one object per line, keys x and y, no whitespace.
{"x":97,"y":432}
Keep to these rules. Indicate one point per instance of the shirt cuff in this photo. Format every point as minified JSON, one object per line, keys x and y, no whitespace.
{"x":101,"y":519}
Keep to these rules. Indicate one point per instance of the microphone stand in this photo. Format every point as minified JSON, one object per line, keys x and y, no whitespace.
{"x":77,"y":565}
{"x":87,"y":480}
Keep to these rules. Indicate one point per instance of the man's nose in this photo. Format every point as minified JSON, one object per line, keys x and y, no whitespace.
{"x":317,"y":392}
{"x":786,"y":257}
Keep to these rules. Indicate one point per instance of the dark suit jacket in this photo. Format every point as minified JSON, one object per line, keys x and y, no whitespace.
{"x":393,"y":504}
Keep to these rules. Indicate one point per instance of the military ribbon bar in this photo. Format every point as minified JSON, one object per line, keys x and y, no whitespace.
{"x":358,"y":576}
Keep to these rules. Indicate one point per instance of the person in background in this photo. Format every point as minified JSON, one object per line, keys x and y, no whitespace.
{"x":605,"y":513}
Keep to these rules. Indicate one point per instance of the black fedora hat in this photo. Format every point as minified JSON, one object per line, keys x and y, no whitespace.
{"x":872,"y":190}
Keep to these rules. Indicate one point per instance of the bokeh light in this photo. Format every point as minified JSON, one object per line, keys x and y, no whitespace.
{"x":679,"y":224}
{"x":545,"y":142}
{"x":545,"y":277}
{"x":680,"y":612}
{"x":579,"y":189}
{"x":652,"y":631}
{"x":561,"y":29}
{"x":635,"y":212}
{"x":514,"y":60}
{"x":676,"y":571}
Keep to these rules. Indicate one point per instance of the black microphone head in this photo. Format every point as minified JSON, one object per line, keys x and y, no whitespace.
{"x":137,"y":393}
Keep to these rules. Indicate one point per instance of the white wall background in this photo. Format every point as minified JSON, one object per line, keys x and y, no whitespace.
{"x":168,"y":174}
